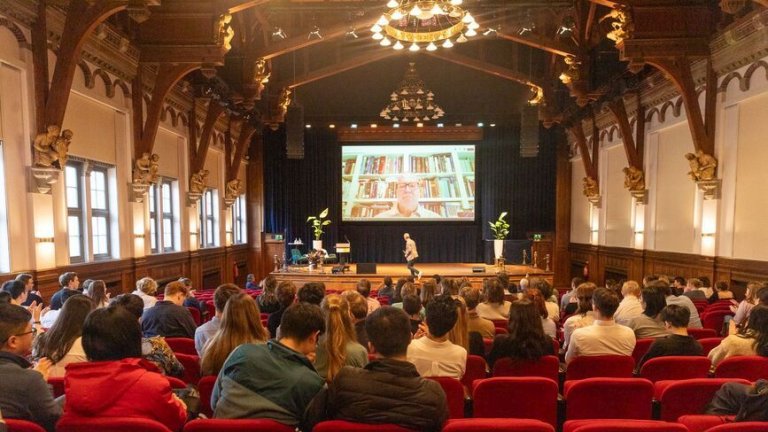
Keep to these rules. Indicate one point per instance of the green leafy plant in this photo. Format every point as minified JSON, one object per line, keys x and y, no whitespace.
{"x":318,"y":222}
{"x":500,"y":228}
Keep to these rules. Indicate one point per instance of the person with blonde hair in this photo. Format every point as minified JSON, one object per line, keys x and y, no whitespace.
{"x":584,"y":315}
{"x":630,"y":306}
{"x":494,"y":307}
{"x":146,"y":288}
{"x":338,"y":347}
{"x":240,"y":323}
{"x":459,"y":334}
{"x":744,"y":308}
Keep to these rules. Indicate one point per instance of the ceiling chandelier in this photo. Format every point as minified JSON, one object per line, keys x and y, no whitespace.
{"x":429,"y":23}
{"x":411,"y":101}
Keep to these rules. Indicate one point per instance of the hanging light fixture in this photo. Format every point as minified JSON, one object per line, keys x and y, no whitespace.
{"x":411,"y":101}
{"x":425,"y":24}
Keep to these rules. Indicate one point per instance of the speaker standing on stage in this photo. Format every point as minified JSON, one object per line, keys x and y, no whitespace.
{"x":411,"y":254}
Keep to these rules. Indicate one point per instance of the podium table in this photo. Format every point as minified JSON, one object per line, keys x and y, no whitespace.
{"x":342,"y":250}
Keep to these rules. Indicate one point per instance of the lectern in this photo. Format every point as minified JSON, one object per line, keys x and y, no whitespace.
{"x":342,"y":249}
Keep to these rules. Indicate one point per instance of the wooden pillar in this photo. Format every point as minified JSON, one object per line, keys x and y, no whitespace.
{"x":562,"y":261}
{"x":255,"y":204}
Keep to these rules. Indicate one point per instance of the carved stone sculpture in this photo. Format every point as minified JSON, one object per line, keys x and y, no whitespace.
{"x":234,"y":189}
{"x":284,"y":100}
{"x":145,"y":169}
{"x":197,"y":182}
{"x":590,"y":187}
{"x":260,"y":73}
{"x":703,"y":166}
{"x":52,"y":147}
{"x":634,"y":178}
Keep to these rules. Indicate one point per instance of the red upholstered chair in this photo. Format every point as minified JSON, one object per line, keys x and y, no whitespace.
{"x":488,"y":344}
{"x":111,"y":424}
{"x":496,"y":425}
{"x":476,"y":369}
{"x":545,"y":367}
{"x":555,"y":346}
{"x":701,"y":333}
{"x":205,"y":387}
{"x":622,"y":426}
{"x":641,"y":347}
{"x":678,"y":398}
{"x":709,"y":343}
{"x":345,"y":426}
{"x":513,"y":397}
{"x":182,"y":345}
{"x":191,"y":367}
{"x":500,"y":323}
{"x":236,"y":425}
{"x":175,"y":382}
{"x":211,"y":308}
{"x":714,"y":320}
{"x":701,"y":305}
{"x":195,"y":315}
{"x":454,"y":393}
{"x":500,"y":330}
{"x":613,"y":366}
{"x":675,"y":368}
{"x":57,"y":385}
{"x":22,"y":426}
{"x":750,"y":368}
{"x":741,"y":427}
{"x":608,"y":398}
{"x":703,"y":422}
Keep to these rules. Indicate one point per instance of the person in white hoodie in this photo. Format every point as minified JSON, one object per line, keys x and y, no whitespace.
{"x":146,"y":288}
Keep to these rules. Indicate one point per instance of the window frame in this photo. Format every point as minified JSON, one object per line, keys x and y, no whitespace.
{"x":208,"y":237}
{"x":158,"y":216}
{"x":239,"y":220}
{"x":100,"y":213}
{"x":78,"y":211}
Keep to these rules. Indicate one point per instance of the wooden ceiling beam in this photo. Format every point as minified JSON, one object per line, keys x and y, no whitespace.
{"x":542,"y":43}
{"x":489,"y":68}
{"x":302,"y":41}
{"x":343,"y":66}
{"x":234,"y":6}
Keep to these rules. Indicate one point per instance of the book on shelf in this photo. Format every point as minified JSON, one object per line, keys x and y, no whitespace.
{"x":437,"y":163}
{"x":349,"y":166}
{"x":366,"y":211}
{"x":469,"y":182}
{"x":375,"y":189}
{"x":438,"y":187}
{"x":382,"y":165}
{"x":467,"y":165}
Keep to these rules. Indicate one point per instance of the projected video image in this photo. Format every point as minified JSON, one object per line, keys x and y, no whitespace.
{"x":414,"y":182}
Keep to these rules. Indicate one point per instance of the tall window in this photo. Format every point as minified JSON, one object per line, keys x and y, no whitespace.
{"x":209,"y":210}
{"x":88,"y":211}
{"x":162,"y":216}
{"x":75,"y":211}
{"x":99,"y":213}
{"x":239,"y":228}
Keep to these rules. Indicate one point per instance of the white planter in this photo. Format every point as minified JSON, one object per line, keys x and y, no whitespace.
{"x":498,"y":248}
{"x":317,"y":244}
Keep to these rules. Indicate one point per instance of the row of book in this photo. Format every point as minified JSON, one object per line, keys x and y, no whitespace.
{"x":349,"y":166}
{"x":446,"y":210}
{"x":467,"y":165}
{"x":382,"y":165}
{"x":437,"y":163}
{"x":469,"y":183}
{"x":441,"y":187}
{"x":370,"y":189}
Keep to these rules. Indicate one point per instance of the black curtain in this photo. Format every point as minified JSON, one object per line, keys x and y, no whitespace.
{"x":296,"y":189}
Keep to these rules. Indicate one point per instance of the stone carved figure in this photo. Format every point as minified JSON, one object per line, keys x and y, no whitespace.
{"x":260,"y":73}
{"x":590,"y":187}
{"x":61,"y":147}
{"x":702,"y":165}
{"x":284,"y":100}
{"x":634,"y":178}
{"x":197,"y":182}
{"x":234,"y":189}
{"x":145,"y":170}
{"x":52,"y":147}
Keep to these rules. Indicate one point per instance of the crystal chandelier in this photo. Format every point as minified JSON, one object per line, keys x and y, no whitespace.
{"x":429,"y":23}
{"x":411,"y":101}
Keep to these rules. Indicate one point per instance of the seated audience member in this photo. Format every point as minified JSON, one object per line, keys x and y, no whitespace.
{"x":191,"y":300}
{"x":398,"y":297}
{"x":746,"y":402}
{"x":250,"y":282}
{"x":33,"y":296}
{"x":286,"y":295}
{"x":494,"y":307}
{"x":649,"y":325}
{"x":568,"y":302}
{"x":146,"y":289}
{"x":721,"y":292}
{"x":630,"y":306}
{"x":459,"y":334}
{"x":762,"y":295}
{"x":168,"y":318}
{"x":750,"y":340}
{"x":584,"y":315}
{"x":604,"y":336}
{"x":706,"y":286}
{"x":312,"y":293}
{"x":693,"y":290}
{"x":240,"y":324}
{"x":678,"y":285}
{"x":358,"y":308}
{"x":678,"y":343}
{"x":364,"y":288}
{"x":5,"y":298}
{"x":410,"y":289}
{"x":672,"y":299}
{"x":550,"y":299}
{"x":97,"y":291}
{"x":475,"y":323}
{"x":746,"y":305}
{"x":268,"y":302}
{"x":24,"y":393}
{"x":428,"y":292}
{"x":154,"y":349}
{"x":534,"y":295}
{"x":338,"y":346}
{"x":17,"y":291}
{"x":208,"y":329}
{"x":275,"y":380}
{"x":412,"y":306}
{"x":69,"y":284}
{"x":389,"y":389}
{"x":63,"y":344}
{"x":387,"y":290}
{"x":431,"y":351}
{"x":115,"y":382}
{"x":526,"y":339}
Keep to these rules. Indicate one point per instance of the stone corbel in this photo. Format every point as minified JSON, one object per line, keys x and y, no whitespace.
{"x":137,"y":191}
{"x":193,"y":198}
{"x":43,"y":179}
{"x":710,"y":188}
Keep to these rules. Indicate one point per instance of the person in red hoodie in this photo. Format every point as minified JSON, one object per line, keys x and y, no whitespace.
{"x":116,"y":381}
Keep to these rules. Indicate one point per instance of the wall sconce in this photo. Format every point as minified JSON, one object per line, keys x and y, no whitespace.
{"x":44,"y":240}
{"x":710,"y":234}
{"x":639,"y":232}
{"x":194,"y":233}
{"x":139,"y":236}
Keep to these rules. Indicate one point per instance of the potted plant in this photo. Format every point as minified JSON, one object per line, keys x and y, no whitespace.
{"x":500,"y":230}
{"x":317,"y":223}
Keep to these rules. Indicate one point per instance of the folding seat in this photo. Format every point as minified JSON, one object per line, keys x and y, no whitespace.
{"x":614,"y":366}
{"x":496,"y":425}
{"x":545,"y":367}
{"x":690,"y":396}
{"x":182,"y":345}
{"x":111,"y":424}
{"x":703,"y":422}
{"x":22,"y":426}
{"x":608,"y":398}
{"x":57,"y":385}
{"x":205,"y":387}
{"x":514,"y":397}
{"x":701,"y":333}
{"x":345,"y":426}
{"x":191,"y":367}
{"x":622,"y":426}
{"x":235,"y":425}
{"x":195,"y":315}
{"x":750,"y":368}
{"x":476,"y":369}
{"x":641,"y":347}
{"x":675,"y":368}
{"x":709,"y":343}
{"x":741,"y":427}
{"x":454,"y":393}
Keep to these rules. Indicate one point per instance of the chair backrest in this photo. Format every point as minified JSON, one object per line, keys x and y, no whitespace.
{"x":182,"y":345}
{"x":488,"y":344}
{"x":205,"y":387}
{"x":714,"y":320}
{"x":703,"y":422}
{"x":57,"y":385}
{"x":345,"y":426}
{"x":629,"y":426}
{"x":22,"y":426}
{"x":454,"y":393}
{"x":515,"y":397}
{"x":236,"y":425}
{"x":609,"y":398}
{"x":741,"y":427}
{"x":111,"y":424}
{"x":709,"y":343}
{"x":701,"y":333}
{"x":641,"y":347}
{"x":545,"y":367}
{"x":500,"y":323}
{"x":175,"y":382}
{"x":614,"y":366}
{"x":750,"y":368}
{"x":191,"y":365}
{"x":195,"y":312}
{"x":500,"y":331}
{"x":675,"y":368}
{"x":678,"y":398}
{"x":476,"y":369}
{"x":497,"y":425}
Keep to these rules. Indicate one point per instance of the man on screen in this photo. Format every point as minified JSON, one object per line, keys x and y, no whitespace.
{"x":407,"y":205}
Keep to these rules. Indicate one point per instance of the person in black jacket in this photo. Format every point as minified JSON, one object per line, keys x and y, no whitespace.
{"x":168,"y":318}
{"x":678,"y":343}
{"x":69,"y":283}
{"x":388,"y":389}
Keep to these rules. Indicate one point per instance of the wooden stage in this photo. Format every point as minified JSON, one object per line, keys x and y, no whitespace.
{"x":300,"y":275}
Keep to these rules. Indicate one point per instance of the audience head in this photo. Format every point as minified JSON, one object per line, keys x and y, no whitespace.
{"x":428,"y":292}
{"x":358,"y":306}
{"x":364,"y":287}
{"x":411,"y":305}
{"x":762,"y":295}
{"x":524,"y":283}
{"x":98,"y":293}
{"x":69,"y":280}
{"x":705,"y":281}
{"x":312,"y":292}
{"x":147,"y":285}
{"x":130,"y":302}
{"x":535,"y":297}
{"x":17,"y":290}
{"x":721,"y":286}
{"x":86,"y":285}
{"x":58,"y":340}
{"x":286,"y":293}
{"x":526,"y":328}
{"x":399,"y":285}
{"x":471,"y":297}
{"x":187,"y":282}
{"x":111,"y":334}
{"x":584,"y":294}
{"x":503,"y":278}
{"x":222,"y":294}
{"x":27,"y":280}
{"x":750,"y":294}
{"x":757,"y":327}
{"x":693,"y":284}
{"x":302,"y":323}
{"x":5,"y":297}
{"x":389,"y":332}
{"x":250,"y":278}
{"x":441,"y":315}
{"x":270,"y":284}
{"x":575,"y":282}
{"x":675,"y":316}
{"x":654,"y":300}
{"x":339,"y":332}
{"x":679,"y":282}
{"x":408,"y":289}
{"x":16,"y":331}
{"x":437,"y":278}
{"x":387,"y":281}
{"x":605,"y":302}
{"x":649,"y":278}
{"x":494,"y":292}
{"x":459,"y":334}
{"x":542,"y":285}
{"x":175,"y":292}
{"x":630,"y":288}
